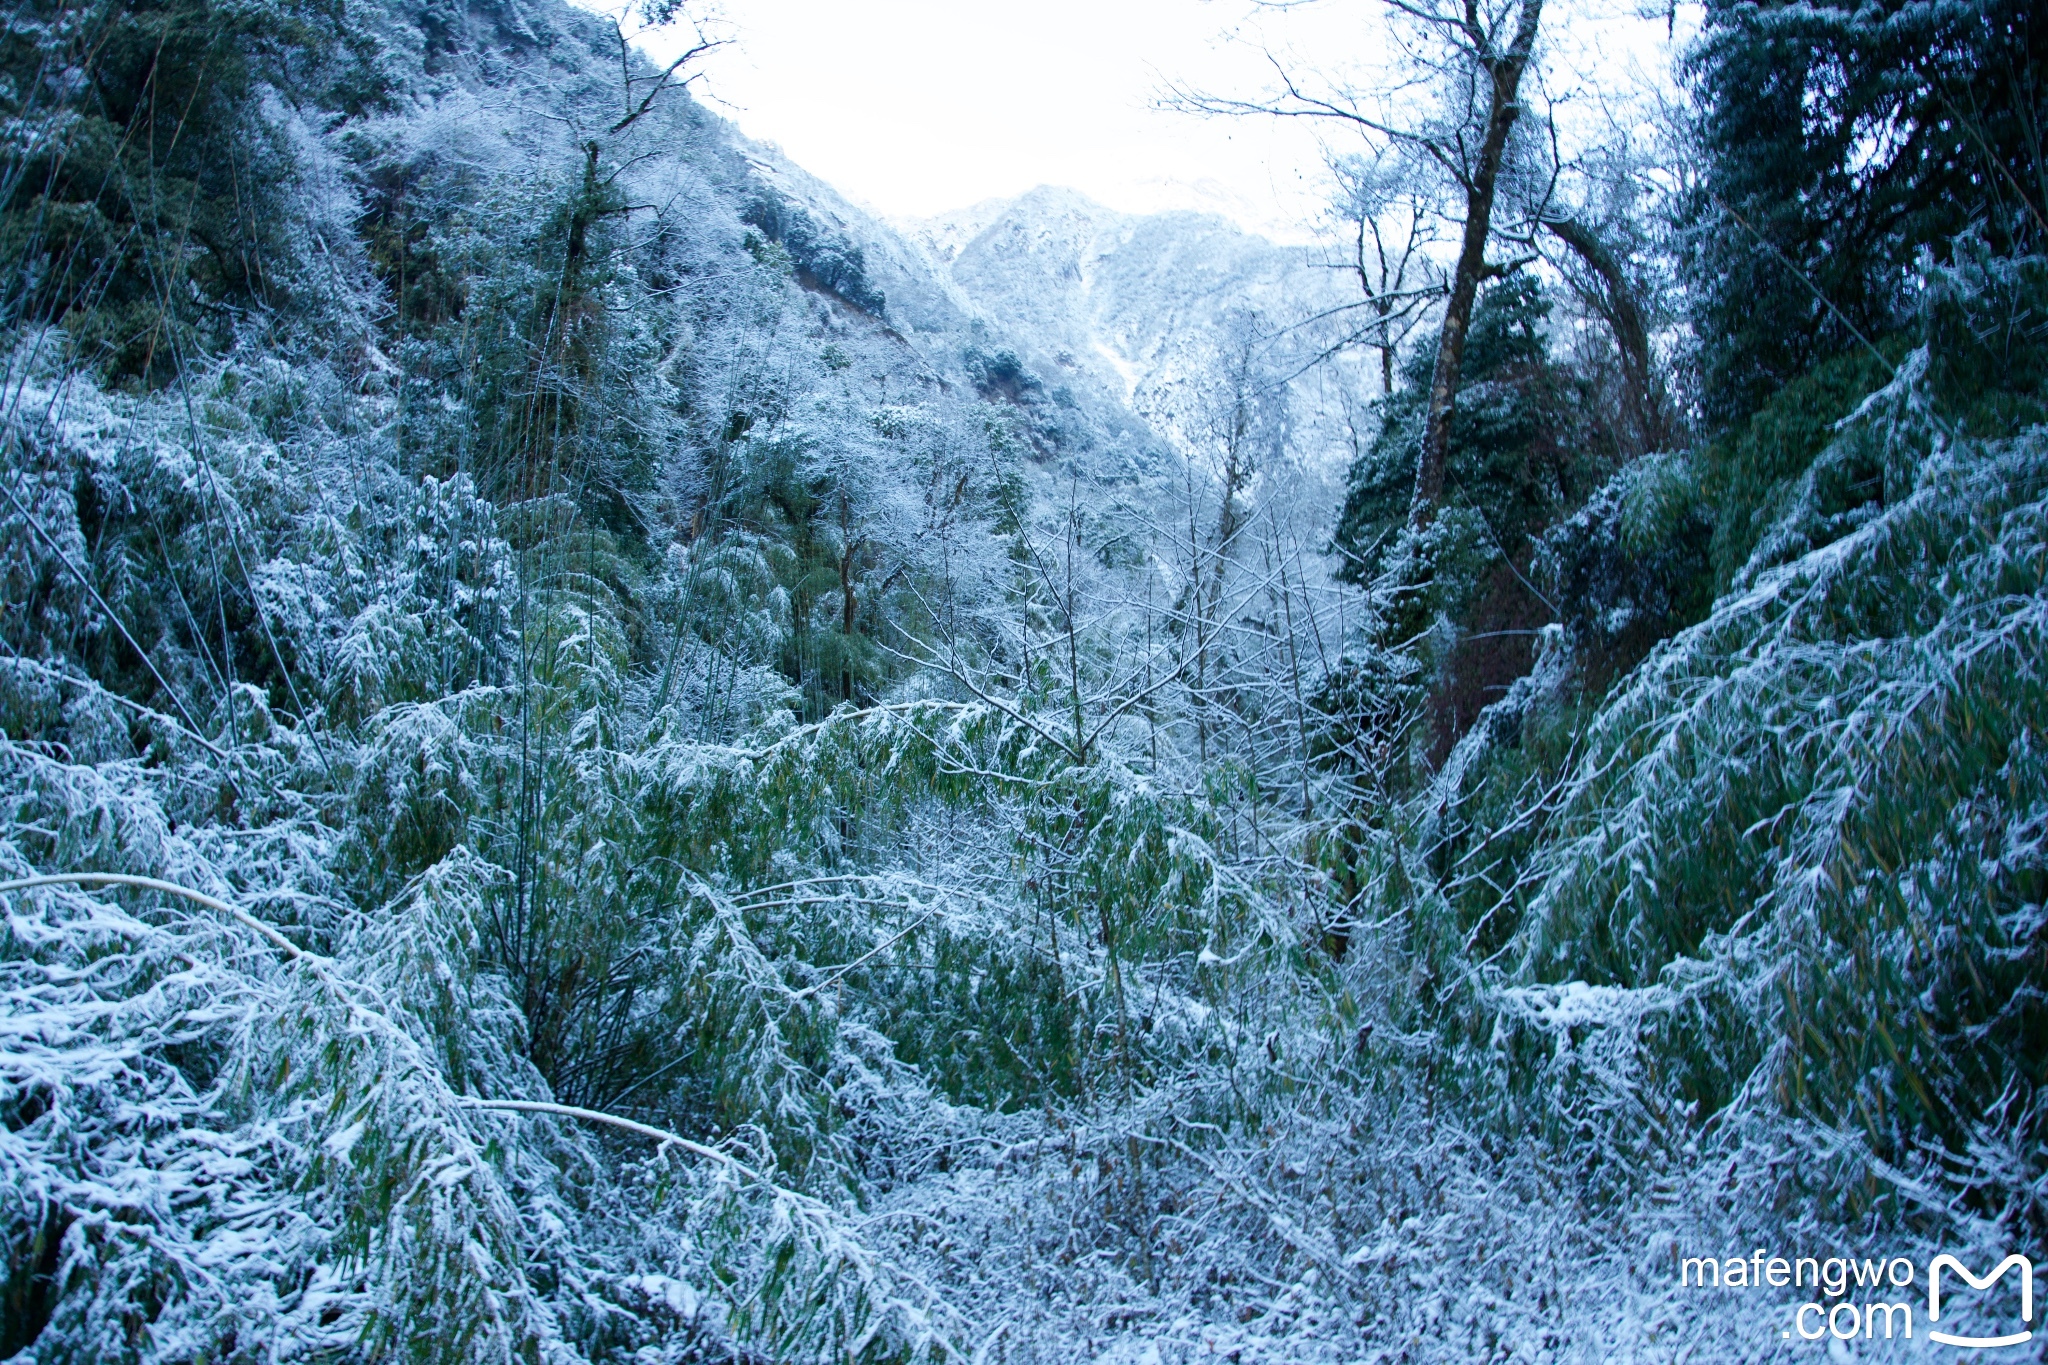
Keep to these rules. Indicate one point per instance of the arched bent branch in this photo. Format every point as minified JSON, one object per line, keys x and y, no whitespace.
{"x":241,"y":917}
{"x":320,"y":964}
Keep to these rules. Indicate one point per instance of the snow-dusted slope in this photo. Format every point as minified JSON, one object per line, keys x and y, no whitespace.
{"x":966,"y":342}
{"x":1126,"y":324}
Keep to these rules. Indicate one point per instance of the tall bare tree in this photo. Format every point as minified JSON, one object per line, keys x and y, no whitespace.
{"x":1474,"y":35}
{"x":1477,"y":52}
{"x":1390,"y":214}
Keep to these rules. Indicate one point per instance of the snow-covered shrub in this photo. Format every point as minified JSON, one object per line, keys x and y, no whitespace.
{"x":1630,"y":567}
{"x":1797,"y":859}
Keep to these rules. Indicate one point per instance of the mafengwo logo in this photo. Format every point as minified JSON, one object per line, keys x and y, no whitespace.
{"x":1875,"y":1299}
{"x":2012,"y":1262}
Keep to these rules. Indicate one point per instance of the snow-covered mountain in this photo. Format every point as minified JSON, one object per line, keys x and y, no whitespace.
{"x":1118,"y":327}
{"x":1148,"y":308}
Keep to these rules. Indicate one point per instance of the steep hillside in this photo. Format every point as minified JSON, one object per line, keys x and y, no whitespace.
{"x":976,"y":351}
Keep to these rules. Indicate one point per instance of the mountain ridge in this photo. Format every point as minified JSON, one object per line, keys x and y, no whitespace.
{"x":1147,"y":308}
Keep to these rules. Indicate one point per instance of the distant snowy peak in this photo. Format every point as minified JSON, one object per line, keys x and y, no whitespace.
{"x":921,"y":297}
{"x":1143,"y":306}
{"x":1053,"y":258}
{"x":947,"y":234}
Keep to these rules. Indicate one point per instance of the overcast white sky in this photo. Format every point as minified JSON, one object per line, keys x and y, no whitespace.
{"x":918,"y":106}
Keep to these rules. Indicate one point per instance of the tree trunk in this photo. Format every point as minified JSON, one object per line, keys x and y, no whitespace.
{"x":848,"y":603}
{"x":580,"y":218}
{"x":1505,"y":73}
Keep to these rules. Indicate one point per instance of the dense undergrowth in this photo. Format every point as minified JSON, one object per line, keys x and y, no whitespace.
{"x":510,"y":563}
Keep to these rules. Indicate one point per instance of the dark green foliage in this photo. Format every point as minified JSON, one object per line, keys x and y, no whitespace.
{"x":1037,"y":419}
{"x":1647,"y":553}
{"x":1878,"y":828}
{"x":1524,"y":447}
{"x":1840,"y":141}
{"x":796,"y":521}
{"x":558,"y":388}
{"x":1746,"y":475}
{"x":1986,"y":326}
{"x":145,"y":203}
{"x":29,"y":1295}
{"x":1367,"y":704}
{"x":989,"y":1027}
{"x":411,"y":242}
{"x":1784,"y":868}
{"x":1000,"y":374}
{"x":1632,"y":566}
{"x":822,"y":259}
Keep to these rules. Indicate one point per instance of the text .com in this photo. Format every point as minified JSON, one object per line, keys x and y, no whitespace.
{"x":1878,"y":1298}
